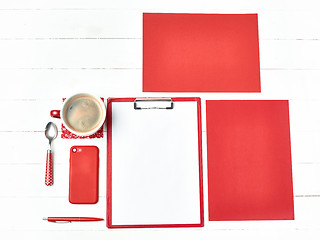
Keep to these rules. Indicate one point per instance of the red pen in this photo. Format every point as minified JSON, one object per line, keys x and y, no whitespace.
{"x":72,"y":219}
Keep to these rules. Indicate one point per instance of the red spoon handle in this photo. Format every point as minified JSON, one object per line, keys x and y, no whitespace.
{"x":49,"y":169}
{"x":55,"y":113}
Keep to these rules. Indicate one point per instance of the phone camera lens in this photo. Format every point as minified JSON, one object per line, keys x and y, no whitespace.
{"x":74,"y":150}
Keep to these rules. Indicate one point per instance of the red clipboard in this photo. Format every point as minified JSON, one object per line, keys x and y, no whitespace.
{"x":154,"y":163}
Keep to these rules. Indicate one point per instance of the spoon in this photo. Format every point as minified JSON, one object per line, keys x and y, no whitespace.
{"x":51,"y":133}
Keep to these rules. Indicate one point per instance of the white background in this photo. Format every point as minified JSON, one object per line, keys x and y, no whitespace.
{"x":51,"y":49}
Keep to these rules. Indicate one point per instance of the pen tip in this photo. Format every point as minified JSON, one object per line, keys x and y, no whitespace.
{"x":45,"y":218}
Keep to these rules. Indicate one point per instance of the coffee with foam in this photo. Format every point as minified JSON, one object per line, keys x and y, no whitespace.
{"x":82,"y":113}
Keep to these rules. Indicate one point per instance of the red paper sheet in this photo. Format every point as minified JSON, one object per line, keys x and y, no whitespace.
{"x":200,"y":53}
{"x":249,"y":160}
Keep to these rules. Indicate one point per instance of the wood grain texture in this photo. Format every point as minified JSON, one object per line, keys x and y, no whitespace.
{"x":83,"y":54}
{"x":110,"y":23}
{"x":52,"y":49}
{"x":34,"y":210}
{"x":166,"y":5}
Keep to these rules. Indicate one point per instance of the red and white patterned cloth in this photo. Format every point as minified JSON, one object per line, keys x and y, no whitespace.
{"x":49,"y":169}
{"x":66,"y":134}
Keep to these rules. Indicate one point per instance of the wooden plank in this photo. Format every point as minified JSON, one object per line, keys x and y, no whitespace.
{"x":305,"y":179}
{"x":70,"y":24}
{"x":28,"y":213}
{"x":56,"y":84}
{"x":66,"y":53}
{"x":127,"y":53}
{"x":36,"y":115}
{"x":45,"y":49}
{"x":28,"y":115}
{"x":289,"y":54}
{"x":303,"y":143}
{"x":165,"y":5}
{"x":28,"y":179}
{"x":305,"y":146}
{"x":34,"y":147}
{"x":32,"y":210}
{"x":284,"y":24}
{"x":290,"y":84}
{"x":304,"y":116}
{"x":169,"y":234}
{"x":116,"y":23}
{"x":304,"y":127}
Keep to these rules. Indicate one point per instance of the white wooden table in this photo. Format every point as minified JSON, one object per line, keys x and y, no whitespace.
{"x":51,"y":49}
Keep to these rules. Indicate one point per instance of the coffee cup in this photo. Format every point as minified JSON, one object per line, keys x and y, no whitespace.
{"x":82,"y":114}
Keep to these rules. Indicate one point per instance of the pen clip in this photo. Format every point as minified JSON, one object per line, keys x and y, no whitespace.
{"x":62,"y":222}
{"x":53,"y":221}
{"x":153,"y":103}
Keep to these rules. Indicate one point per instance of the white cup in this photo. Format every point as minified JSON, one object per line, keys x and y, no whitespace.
{"x":83,"y":114}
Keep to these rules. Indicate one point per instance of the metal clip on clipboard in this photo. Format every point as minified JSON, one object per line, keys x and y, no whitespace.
{"x":148,"y":103}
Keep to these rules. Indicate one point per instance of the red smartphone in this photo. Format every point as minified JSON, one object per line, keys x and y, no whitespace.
{"x":84,"y":175}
